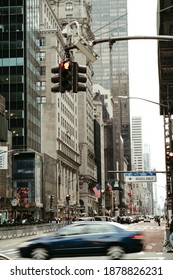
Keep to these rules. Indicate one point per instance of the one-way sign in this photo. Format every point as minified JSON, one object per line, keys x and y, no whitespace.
{"x":135,"y":177}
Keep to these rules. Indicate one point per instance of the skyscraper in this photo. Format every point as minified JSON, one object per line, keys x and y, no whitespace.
{"x":137,"y":148}
{"x":109,"y":19}
{"x":139,"y":189}
{"x":19,"y":70}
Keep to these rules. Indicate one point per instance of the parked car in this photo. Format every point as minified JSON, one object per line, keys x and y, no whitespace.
{"x":147,"y":219}
{"x":135,"y":218}
{"x":126,"y":219}
{"x":87,"y":238}
{"x":141,"y":217}
{"x":86,"y":219}
{"x":103,"y":218}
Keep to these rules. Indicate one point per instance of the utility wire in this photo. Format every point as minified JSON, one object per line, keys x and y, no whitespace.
{"x":165,"y":9}
{"x":109,"y":23}
{"x":112,"y":30}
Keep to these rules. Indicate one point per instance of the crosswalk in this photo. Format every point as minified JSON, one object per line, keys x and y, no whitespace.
{"x":11,"y":253}
{"x":148,"y":227}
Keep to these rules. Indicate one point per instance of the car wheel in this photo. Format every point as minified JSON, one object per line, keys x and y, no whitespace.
{"x":40,"y":253}
{"x":115,"y":252}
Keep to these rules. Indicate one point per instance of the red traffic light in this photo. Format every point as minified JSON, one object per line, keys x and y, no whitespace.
{"x":68,"y":197}
{"x":63,"y":77}
{"x":66,"y":64}
{"x":66,"y":76}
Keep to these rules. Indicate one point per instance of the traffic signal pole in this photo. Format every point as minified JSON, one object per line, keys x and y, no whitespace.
{"x":111,"y":41}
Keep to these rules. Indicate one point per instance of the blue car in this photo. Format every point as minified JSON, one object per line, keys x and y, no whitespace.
{"x":85,"y":238}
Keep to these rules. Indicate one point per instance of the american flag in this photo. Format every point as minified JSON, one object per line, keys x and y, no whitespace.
{"x":109,"y":186}
{"x":96,"y":190}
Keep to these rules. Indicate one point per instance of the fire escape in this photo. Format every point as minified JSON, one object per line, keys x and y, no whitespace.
{"x":165,"y":61}
{"x":168,"y":155}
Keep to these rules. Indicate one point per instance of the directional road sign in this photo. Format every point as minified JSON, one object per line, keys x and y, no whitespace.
{"x":136,"y":177}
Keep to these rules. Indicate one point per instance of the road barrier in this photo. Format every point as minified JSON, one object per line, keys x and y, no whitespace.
{"x":28,"y":230}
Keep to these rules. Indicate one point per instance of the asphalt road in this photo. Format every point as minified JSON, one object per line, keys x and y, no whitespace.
{"x":154,"y":244}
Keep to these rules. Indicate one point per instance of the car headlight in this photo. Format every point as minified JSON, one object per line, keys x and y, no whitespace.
{"x":24,"y":244}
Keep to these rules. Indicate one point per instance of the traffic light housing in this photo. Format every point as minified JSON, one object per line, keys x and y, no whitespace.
{"x":169,"y":158}
{"x":66,"y":77}
{"x":56,"y":79}
{"x":67,"y":197}
{"x":52,"y":198}
{"x":63,"y":77}
{"x":79,"y":77}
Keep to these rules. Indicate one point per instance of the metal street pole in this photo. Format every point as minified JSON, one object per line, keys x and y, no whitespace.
{"x":168,"y":147}
{"x":113,"y":40}
{"x":127,"y":38}
{"x":144,"y":99}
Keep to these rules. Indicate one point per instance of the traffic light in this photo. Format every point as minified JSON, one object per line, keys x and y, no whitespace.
{"x":67,"y":197}
{"x":56,"y":79}
{"x":79,"y":77}
{"x":169,"y":158}
{"x":52,"y":198}
{"x":66,"y":77}
{"x":63,"y":77}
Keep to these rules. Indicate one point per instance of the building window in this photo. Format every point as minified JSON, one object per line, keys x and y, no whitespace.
{"x":42,"y":56}
{"x":69,"y":16}
{"x":69,"y":6}
{"x":43,"y":70}
{"x":41,"y":85}
{"x":42,"y":41}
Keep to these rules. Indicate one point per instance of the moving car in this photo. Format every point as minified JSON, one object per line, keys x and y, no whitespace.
{"x":87,"y":238}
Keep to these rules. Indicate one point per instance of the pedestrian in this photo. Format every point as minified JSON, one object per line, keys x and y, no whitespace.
{"x":171,"y":231}
{"x":158,"y":220}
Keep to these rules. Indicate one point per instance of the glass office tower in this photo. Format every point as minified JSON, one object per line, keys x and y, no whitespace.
{"x":20,"y":86}
{"x":109,"y":19}
{"x":19,"y":70}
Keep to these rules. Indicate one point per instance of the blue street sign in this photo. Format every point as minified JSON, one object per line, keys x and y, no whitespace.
{"x":140,"y":177}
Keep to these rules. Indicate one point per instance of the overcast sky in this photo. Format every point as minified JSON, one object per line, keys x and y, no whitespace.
{"x":143,"y":76}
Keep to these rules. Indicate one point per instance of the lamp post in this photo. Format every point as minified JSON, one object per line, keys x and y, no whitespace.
{"x":144,"y":99}
{"x":168,"y":146}
{"x":72,"y":197}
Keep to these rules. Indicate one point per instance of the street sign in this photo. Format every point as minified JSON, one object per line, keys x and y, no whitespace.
{"x":136,"y":177}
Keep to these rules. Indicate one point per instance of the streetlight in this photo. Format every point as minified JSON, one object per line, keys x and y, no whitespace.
{"x":140,"y":98}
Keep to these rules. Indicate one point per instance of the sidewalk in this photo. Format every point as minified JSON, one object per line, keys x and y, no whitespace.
{"x":167,"y":247}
